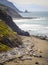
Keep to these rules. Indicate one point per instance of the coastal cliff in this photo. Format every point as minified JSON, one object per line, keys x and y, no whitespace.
{"x":8,"y":20}
{"x":9,"y":31}
{"x":8,"y":38}
{"x":11,"y":12}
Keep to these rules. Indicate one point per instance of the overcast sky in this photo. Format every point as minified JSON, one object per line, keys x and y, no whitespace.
{"x":21,"y":3}
{"x":40,"y":2}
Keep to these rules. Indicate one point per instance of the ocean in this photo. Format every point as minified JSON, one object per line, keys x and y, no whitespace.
{"x":36,"y":26}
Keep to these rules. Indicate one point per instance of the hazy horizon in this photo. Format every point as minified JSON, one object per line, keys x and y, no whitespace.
{"x":31,"y":5}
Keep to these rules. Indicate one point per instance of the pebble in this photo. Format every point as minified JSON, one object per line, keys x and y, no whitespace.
{"x":36,"y":62}
{"x":17,"y":53}
{"x":40,"y":56}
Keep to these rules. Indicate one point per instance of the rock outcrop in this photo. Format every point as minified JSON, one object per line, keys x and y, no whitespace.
{"x":8,"y":38}
{"x":8,"y":20}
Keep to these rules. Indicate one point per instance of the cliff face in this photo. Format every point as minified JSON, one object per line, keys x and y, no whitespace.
{"x":8,"y":32}
{"x":11,"y":12}
{"x":10,"y":8}
{"x":9,"y":4}
{"x":8,"y":38}
{"x":8,"y":20}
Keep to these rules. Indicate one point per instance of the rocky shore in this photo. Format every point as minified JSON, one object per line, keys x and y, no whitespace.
{"x":33,"y":51}
{"x":43,"y":37}
{"x":18,"y":52}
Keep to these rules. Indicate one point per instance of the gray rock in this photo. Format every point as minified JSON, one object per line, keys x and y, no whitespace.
{"x":1,"y":64}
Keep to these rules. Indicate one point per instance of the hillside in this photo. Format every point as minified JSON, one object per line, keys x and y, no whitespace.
{"x":9,"y":4}
{"x":11,"y":12}
{"x":8,"y":38}
{"x":8,"y":20}
{"x":8,"y":32}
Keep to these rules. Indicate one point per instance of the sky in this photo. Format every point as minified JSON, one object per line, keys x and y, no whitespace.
{"x":31,"y":5}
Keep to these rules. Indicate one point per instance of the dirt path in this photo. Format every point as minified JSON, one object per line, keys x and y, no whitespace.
{"x":39,"y":57}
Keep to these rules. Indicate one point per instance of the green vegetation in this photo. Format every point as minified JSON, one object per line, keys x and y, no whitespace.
{"x":8,"y":38}
{"x":4,"y":47}
{"x":4,"y":29}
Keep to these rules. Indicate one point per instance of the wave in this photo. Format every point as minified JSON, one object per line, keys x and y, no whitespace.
{"x":40,"y":18}
{"x":34,"y":26}
{"x":26,"y":21}
{"x":20,"y":20}
{"x":33,"y":18}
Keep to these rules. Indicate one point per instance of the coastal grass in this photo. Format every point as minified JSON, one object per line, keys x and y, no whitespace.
{"x":4,"y":47}
{"x":4,"y":31}
{"x":7,"y":33}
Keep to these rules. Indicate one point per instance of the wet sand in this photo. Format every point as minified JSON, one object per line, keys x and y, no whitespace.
{"x":39,"y":57}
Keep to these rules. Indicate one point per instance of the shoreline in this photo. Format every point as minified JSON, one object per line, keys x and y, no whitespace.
{"x":33,"y":48}
{"x":38,"y":32}
{"x":38,"y":18}
{"x":41,"y":37}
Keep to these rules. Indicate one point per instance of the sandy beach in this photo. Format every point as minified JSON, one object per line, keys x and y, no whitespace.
{"x":39,"y":57}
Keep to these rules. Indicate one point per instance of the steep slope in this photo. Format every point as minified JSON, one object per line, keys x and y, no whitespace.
{"x":9,"y":4}
{"x":8,"y":20}
{"x":10,"y":11}
{"x":8,"y":38}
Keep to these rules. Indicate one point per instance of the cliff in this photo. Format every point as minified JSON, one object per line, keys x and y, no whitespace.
{"x":8,"y":38}
{"x":9,"y":31}
{"x":11,"y":12}
{"x":9,"y":4}
{"x":8,"y":20}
